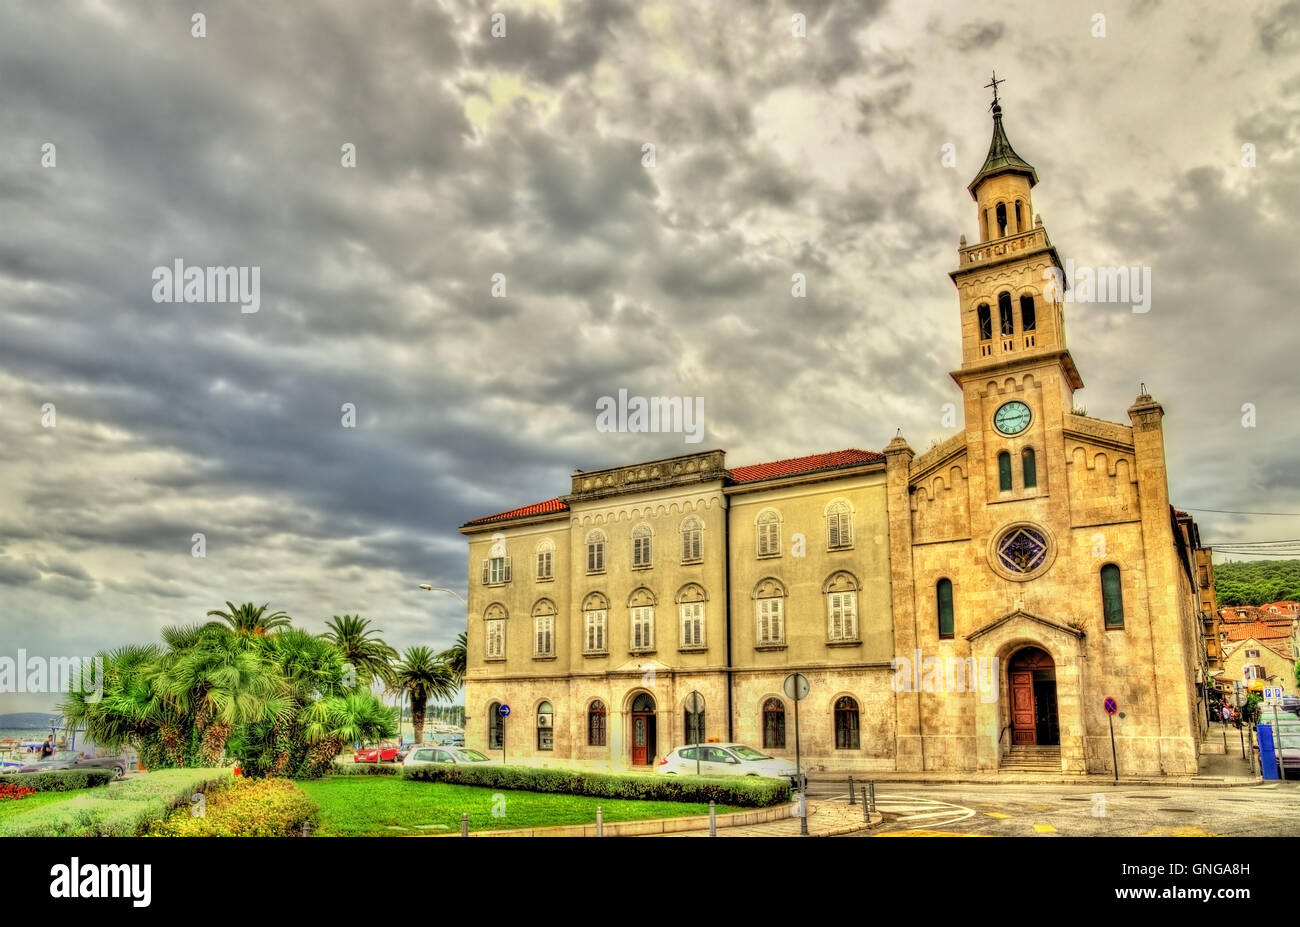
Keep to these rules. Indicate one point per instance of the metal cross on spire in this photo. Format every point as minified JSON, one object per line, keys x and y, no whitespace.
{"x":994,"y":84}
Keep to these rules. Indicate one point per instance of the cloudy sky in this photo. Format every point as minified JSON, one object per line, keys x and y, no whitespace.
{"x":524,"y":155}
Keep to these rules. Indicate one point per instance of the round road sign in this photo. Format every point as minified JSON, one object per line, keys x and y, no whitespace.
{"x":1110,"y":705}
{"x":505,"y":711}
{"x":796,"y":686}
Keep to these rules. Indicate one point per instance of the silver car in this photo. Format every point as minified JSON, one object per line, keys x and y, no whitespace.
{"x":71,"y":759}
{"x":727,"y":760}
{"x":426,"y":753}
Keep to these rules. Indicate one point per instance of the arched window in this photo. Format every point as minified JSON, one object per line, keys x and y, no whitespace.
{"x":494,"y":632}
{"x":943,"y":595}
{"x":1029,"y":467}
{"x":544,"y":628}
{"x":986,"y":322}
{"x":1007,"y":323}
{"x":496,"y":726}
{"x":774,"y":724}
{"x":690,"y":603}
{"x":545,"y":727}
{"x":641,"y":605}
{"x":768,"y":526}
{"x":546,"y":560}
{"x":644,"y":702}
{"x":1020,"y":225}
{"x":595,"y":610}
{"x":1112,"y":596}
{"x":1028,"y":318}
{"x":693,"y":723}
{"x":839,"y":525}
{"x":641,"y":546}
{"x":596,"y":552}
{"x":596,"y":716}
{"x":1002,"y":220}
{"x":846,"y":724}
{"x":1004,"y":471}
{"x":692,"y":532}
{"x":769,"y":613}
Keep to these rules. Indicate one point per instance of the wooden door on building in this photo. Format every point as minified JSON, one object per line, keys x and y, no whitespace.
{"x":1023,"y":716}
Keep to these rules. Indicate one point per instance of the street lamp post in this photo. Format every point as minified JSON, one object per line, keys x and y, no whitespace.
{"x":429,"y":587}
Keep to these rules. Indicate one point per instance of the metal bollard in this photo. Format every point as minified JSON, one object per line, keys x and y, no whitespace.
{"x":464,"y":824}
{"x":713,"y":819}
{"x":866,"y":813}
{"x":803,"y":814}
{"x":872,"y":786}
{"x":600,"y":821}
{"x":851,"y":799}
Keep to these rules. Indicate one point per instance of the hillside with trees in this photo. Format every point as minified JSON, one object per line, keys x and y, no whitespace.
{"x":1257,"y":583}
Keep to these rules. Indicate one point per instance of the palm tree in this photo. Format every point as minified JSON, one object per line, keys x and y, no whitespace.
{"x":369,"y":655}
{"x":454,"y":657}
{"x":421,"y":676}
{"x":250,"y":620}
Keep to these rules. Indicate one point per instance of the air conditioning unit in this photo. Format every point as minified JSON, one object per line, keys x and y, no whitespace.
{"x":544,"y":720}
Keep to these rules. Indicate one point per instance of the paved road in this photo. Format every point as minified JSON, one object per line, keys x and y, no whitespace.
{"x":918,"y":809}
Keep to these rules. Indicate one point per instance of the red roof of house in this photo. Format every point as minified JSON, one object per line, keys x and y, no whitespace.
{"x":537,"y":508}
{"x":800,"y":465}
{"x":1257,"y":630}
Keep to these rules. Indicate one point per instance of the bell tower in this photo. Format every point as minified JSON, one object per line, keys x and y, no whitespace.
{"x":1009,"y":283}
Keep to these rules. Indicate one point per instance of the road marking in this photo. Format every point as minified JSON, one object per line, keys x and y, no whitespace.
{"x":1045,"y":828}
{"x":917,"y":832}
{"x":912,"y":807}
{"x":995,"y":814}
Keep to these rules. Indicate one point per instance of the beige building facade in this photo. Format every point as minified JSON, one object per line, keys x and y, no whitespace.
{"x":968,"y":608}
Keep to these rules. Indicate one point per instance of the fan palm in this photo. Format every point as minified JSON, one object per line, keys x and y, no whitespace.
{"x":251,"y":620}
{"x":422,"y":676}
{"x":360,"y":646}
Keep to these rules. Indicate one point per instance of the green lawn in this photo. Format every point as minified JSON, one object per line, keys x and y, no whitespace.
{"x":386,"y":806}
{"x":15,"y":806}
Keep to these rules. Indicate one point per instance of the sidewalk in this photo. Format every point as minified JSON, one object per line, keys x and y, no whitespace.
{"x":825,"y":819}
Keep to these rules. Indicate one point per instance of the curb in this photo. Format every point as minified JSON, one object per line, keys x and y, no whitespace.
{"x":1209,"y":782}
{"x":646,"y":827}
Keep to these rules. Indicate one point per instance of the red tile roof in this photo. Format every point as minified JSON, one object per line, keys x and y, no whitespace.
{"x":1257,"y":630}
{"x":537,"y":508}
{"x":799,"y":465}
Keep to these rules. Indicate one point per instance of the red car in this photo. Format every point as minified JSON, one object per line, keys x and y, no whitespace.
{"x":384,"y":753}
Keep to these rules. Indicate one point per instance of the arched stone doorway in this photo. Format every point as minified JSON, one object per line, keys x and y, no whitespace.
{"x":644,"y":730}
{"x":1031,"y":684}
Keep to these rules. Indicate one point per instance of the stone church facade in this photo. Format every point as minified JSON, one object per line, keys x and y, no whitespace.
{"x":968,"y":608}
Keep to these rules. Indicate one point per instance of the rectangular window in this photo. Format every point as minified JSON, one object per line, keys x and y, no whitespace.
{"x":496,"y":570}
{"x":545,"y":635}
{"x":691,"y":544}
{"x":1253,"y":653}
{"x":843,"y":616}
{"x":545,"y":738}
{"x":986,"y":323}
{"x":641,"y":551}
{"x":692,"y":624}
{"x":596,"y":557}
{"x":643,"y":628}
{"x":771,"y":625}
{"x":595,"y":632}
{"x":544,"y":564}
{"x":495,"y":643}
{"x":769,"y":539}
{"x":839,"y":530}
{"x":1028,"y":318}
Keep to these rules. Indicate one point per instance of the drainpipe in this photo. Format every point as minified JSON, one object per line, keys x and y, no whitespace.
{"x":726,"y":598}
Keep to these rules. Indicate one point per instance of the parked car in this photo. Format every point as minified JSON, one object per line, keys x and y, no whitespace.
{"x":382,"y":753}
{"x":425,"y":753}
{"x":71,"y":759}
{"x":728,"y":760}
{"x":1291,"y":703}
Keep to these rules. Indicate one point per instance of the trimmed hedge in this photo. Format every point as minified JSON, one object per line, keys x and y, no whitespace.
{"x":122,"y":809}
{"x":249,"y":808}
{"x":62,"y":780}
{"x":366,"y":769}
{"x":745,"y":791}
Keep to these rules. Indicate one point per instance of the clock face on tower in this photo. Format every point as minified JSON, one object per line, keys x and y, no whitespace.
{"x":1011,"y":418}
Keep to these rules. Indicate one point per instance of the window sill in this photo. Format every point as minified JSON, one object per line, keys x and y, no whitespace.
{"x":642,"y":653}
{"x":595,"y":653}
{"x":833,"y":550}
{"x":504,"y":582}
{"x":595,"y":572}
{"x":643,"y":566}
{"x":544,"y":657}
{"x":693,"y":648}
{"x":769,"y":646}
{"x":546,"y":579}
{"x":694,"y":562}
{"x":775,"y":556}
{"x":494,"y":659}
{"x":855,"y":642}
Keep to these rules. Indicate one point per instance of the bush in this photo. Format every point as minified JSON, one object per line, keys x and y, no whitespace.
{"x":12,"y":791}
{"x":741,"y":791}
{"x":63,"y":780}
{"x":123,"y":809}
{"x":249,"y":808}
{"x":366,"y":769}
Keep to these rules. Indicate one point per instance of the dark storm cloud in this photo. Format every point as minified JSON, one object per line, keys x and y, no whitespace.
{"x":975,"y":36}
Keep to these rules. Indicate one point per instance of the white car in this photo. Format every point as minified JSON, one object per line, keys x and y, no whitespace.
{"x":422,"y":754}
{"x":727,"y":760}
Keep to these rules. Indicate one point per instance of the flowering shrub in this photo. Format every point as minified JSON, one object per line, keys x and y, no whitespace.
{"x":248,"y":808}
{"x":13,"y":791}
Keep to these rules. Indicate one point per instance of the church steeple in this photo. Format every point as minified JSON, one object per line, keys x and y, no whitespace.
{"x":1002,"y":158}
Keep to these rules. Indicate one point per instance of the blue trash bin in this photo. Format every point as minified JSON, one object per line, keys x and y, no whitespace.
{"x":1267,"y":751}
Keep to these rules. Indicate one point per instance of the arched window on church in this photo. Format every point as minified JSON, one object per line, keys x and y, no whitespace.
{"x":1020,"y":225}
{"x":1112,"y":596}
{"x":1004,"y":314}
{"x":986,"y":322}
{"x":1002,"y":220}
{"x":943,"y":596}
{"x":1028,"y":318}
{"x":1004,"y":472}
{"x":1029,"y":467}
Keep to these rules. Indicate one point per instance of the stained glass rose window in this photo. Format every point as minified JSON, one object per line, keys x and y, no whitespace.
{"x":1022,"y":550}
